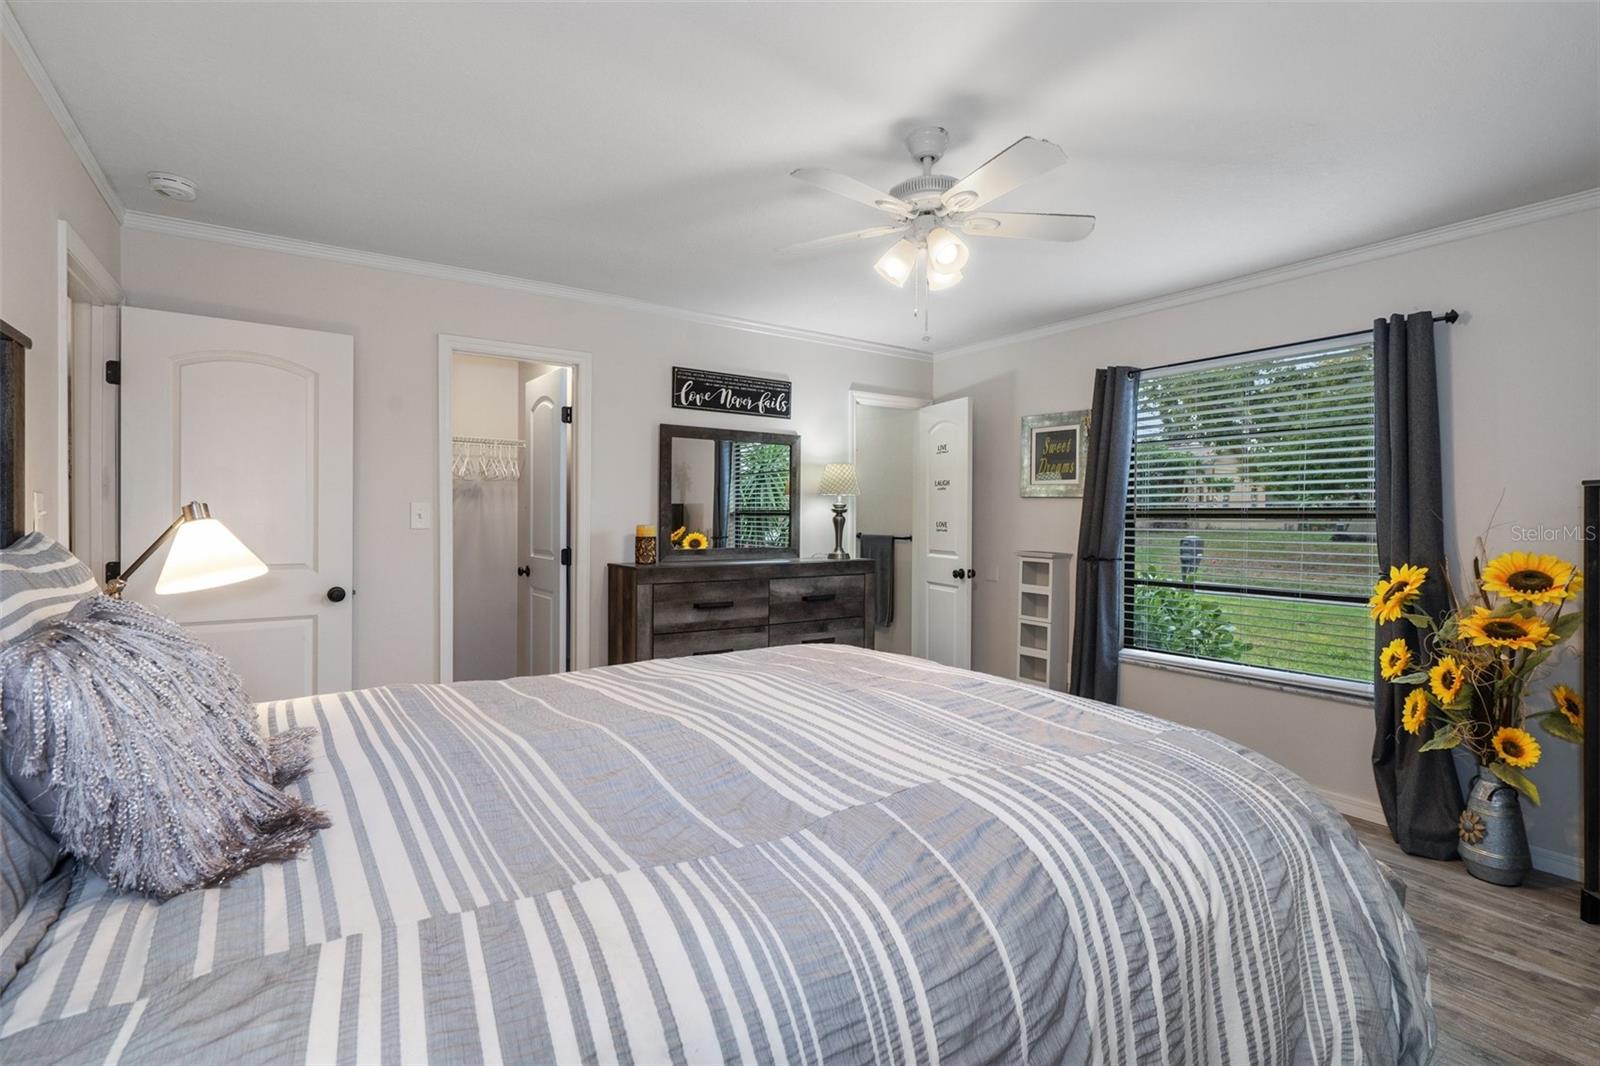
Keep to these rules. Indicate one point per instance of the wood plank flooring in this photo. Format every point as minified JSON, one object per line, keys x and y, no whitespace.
{"x":1515,"y":974}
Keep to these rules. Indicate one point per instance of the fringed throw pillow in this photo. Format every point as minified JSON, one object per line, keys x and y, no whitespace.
{"x":140,"y":751}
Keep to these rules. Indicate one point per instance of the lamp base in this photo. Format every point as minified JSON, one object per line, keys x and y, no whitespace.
{"x":838,"y":532}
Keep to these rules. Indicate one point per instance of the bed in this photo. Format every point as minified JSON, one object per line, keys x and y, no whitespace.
{"x":799,"y":854}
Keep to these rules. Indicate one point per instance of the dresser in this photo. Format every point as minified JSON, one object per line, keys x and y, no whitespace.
{"x":673,"y":609}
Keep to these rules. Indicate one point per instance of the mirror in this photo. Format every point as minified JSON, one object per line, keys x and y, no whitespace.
{"x":731,"y":490}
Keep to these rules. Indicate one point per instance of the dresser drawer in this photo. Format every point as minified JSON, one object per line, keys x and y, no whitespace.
{"x":828,"y":631}
{"x":690,"y":605}
{"x":802,"y":599}
{"x":709,"y":641}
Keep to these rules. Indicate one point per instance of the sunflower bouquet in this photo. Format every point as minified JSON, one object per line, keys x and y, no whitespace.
{"x":1472,"y":668}
{"x":689,"y":540}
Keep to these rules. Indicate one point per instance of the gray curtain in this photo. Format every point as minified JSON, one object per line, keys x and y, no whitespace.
{"x":1419,"y":791}
{"x":1097,"y":631}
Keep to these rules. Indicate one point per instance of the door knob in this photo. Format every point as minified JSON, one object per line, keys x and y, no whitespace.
{"x":958,"y":573}
{"x":336,"y":594}
{"x":972,"y":573}
{"x":524,"y":571}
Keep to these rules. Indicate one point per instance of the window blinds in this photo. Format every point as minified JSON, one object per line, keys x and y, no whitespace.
{"x":1251,"y":532}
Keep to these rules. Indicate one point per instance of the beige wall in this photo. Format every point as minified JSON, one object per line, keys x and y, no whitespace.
{"x":42,"y":182}
{"x":1520,"y":388}
{"x":396,"y":320}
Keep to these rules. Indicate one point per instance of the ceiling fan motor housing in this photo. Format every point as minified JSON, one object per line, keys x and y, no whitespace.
{"x":923,"y":187}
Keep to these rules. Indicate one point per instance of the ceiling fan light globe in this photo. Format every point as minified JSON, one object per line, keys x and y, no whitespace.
{"x":939,"y":280}
{"x":946,"y":252}
{"x":897,"y":263}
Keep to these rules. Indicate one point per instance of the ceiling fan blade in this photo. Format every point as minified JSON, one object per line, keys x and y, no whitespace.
{"x":1023,"y":161}
{"x":1027,"y":226}
{"x":841,"y":238}
{"x":852,"y":189}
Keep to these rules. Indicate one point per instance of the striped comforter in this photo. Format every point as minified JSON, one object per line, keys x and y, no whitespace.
{"x":798,"y":854}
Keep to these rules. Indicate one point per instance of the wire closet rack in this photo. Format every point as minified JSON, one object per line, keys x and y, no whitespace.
{"x":485,"y":459}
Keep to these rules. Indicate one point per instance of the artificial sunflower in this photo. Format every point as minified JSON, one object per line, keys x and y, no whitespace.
{"x":677,"y":534}
{"x":1569,"y":703}
{"x":695,"y":541}
{"x":1415,"y":711}
{"x":1516,"y":747}
{"x":1394,"y":659}
{"x":1523,"y":577}
{"x":1391,"y":595}
{"x":1489,"y":630}
{"x":1445,"y":679}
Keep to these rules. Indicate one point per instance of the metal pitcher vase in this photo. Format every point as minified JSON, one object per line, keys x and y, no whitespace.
{"x":1493,"y":841}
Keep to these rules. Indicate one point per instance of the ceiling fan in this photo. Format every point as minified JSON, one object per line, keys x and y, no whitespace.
{"x":931,"y":210}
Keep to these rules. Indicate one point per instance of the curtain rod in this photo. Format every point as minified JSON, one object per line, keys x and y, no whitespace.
{"x":1448,"y":318}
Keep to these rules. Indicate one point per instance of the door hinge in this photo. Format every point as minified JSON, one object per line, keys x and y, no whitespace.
{"x":113,"y":570}
{"x":566,"y":415}
{"x":566,"y":556}
{"x":113,"y":371}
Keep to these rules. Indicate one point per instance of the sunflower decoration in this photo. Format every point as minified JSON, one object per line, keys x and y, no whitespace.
{"x":1536,"y":580}
{"x":1470,"y":826}
{"x":1446,"y":679}
{"x":1391,"y":595}
{"x":1415,"y":711}
{"x":1486,"y":629}
{"x":695,"y":541}
{"x":1394,"y":659}
{"x":1516,"y":747}
{"x":677,"y":534}
{"x":1569,"y":703}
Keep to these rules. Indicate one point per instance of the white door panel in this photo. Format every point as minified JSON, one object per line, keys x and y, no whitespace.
{"x":256,"y":421}
{"x":546,"y":583}
{"x":942,"y":504}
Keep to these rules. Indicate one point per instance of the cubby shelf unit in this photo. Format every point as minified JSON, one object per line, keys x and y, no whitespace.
{"x":1044,"y":603}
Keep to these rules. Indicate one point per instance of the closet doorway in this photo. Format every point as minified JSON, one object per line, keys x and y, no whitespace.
{"x":508,"y":507}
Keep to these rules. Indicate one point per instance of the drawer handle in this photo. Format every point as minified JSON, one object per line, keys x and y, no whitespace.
{"x":714,"y":651}
{"x":714,"y":605}
{"x":820,"y":597}
{"x":820,"y":640}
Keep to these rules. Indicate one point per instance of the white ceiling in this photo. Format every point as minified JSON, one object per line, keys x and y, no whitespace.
{"x":644,"y":150}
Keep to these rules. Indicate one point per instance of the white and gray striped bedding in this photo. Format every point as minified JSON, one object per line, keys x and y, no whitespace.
{"x":798,"y":854}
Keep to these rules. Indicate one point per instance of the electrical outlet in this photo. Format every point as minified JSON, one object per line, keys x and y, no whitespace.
{"x":421,"y":514}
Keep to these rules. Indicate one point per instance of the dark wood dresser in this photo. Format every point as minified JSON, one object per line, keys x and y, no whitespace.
{"x":672,"y":609}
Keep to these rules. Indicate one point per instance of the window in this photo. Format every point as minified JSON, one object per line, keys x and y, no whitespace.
{"x":1252,"y":522}
{"x":754,"y":486}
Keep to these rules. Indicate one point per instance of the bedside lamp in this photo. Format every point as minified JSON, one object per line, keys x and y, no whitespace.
{"x":204,"y":555}
{"x":839,"y":481}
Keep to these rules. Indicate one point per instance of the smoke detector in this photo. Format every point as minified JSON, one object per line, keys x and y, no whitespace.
{"x":172,"y":186}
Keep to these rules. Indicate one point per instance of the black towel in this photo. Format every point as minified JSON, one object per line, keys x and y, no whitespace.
{"x":879,"y":549}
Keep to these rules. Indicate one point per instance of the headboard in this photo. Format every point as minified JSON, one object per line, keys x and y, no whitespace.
{"x":13,"y":435}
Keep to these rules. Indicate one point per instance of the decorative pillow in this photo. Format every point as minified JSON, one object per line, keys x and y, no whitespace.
{"x":137,"y":747}
{"x":39,"y":582}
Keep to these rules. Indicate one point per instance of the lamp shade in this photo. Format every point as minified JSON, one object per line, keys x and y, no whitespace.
{"x":838,"y":479}
{"x":898,"y":262}
{"x":205,"y":555}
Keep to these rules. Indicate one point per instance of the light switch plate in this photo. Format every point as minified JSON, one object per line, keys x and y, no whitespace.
{"x":421,"y":514}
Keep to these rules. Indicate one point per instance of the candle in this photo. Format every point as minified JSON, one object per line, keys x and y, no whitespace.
{"x":644,"y":531}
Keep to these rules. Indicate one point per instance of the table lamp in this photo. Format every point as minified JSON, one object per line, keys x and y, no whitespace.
{"x":204,"y":555}
{"x":839,"y":481}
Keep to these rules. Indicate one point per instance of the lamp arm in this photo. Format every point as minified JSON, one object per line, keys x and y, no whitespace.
{"x":115,"y":586}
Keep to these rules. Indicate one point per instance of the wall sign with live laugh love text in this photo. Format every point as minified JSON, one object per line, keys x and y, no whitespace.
{"x":709,"y":390}
{"x":1054,"y":453}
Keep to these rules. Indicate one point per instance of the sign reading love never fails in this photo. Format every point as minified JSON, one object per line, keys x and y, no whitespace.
{"x":709,"y":390}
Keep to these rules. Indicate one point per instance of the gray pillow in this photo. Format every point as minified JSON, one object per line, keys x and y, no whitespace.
{"x":39,"y":582}
{"x":137,"y":747}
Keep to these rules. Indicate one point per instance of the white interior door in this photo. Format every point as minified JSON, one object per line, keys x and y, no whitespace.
{"x":546,"y":580}
{"x":254,"y":420}
{"x":941,"y":589}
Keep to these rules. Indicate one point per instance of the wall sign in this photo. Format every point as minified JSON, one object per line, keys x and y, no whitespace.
{"x":708,"y":390}
{"x":1054,"y":453}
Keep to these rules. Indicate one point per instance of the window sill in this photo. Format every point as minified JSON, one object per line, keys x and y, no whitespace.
{"x":1259,"y":676}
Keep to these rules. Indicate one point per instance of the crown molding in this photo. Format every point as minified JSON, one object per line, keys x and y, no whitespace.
{"x":1587,"y":200}
{"x":11,"y":30}
{"x":266,"y":242}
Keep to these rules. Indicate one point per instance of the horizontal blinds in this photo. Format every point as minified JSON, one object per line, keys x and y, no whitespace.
{"x":1251,"y":532}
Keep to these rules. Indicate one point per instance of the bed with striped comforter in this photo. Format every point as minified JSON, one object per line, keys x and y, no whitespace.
{"x":807,"y":854}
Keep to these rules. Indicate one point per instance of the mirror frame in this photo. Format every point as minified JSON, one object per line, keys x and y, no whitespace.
{"x":666,"y":554}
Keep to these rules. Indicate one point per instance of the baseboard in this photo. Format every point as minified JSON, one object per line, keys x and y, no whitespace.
{"x":1559,"y":863}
